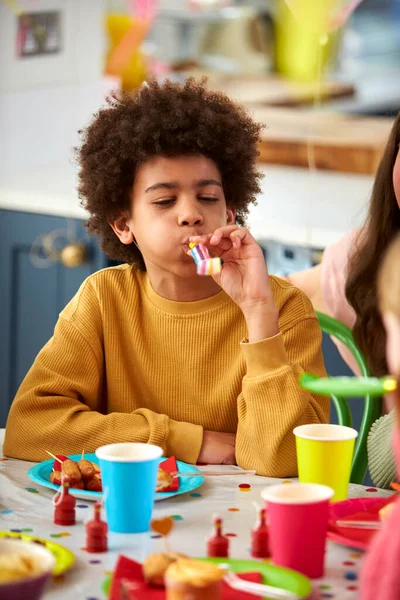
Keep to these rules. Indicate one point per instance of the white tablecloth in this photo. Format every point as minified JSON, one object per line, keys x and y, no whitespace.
{"x":26,"y":506}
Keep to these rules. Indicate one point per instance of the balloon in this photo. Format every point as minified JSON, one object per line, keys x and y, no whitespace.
{"x":347,"y":386}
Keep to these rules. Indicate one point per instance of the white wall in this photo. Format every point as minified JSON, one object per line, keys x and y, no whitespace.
{"x":45,"y":99}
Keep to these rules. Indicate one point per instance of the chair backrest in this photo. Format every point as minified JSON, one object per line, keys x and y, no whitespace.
{"x":372,"y":406}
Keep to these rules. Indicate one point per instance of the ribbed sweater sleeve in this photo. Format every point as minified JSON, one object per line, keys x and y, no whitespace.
{"x":272,"y":403}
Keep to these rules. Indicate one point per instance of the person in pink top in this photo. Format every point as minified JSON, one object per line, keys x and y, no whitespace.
{"x":380,"y":572}
{"x":343,"y":285}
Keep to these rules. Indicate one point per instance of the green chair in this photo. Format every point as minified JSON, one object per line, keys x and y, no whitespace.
{"x":372,"y":406}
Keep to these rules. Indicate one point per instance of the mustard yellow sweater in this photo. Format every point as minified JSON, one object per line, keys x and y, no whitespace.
{"x":125,"y":364}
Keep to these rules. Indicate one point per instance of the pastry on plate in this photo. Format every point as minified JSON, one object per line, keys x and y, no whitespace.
{"x":194,"y":579}
{"x":155,"y":565}
{"x":164,"y":480}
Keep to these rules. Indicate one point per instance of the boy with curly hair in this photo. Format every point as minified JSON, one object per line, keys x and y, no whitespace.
{"x":205,"y":367}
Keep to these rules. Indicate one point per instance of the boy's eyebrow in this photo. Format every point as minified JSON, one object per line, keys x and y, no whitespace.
{"x":161,"y":185}
{"x":173,"y":186}
{"x":204,"y":182}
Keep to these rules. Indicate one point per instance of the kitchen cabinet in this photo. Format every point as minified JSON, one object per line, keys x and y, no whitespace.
{"x":32,"y":296}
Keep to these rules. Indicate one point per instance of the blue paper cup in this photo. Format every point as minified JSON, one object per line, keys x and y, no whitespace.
{"x":129,"y":477}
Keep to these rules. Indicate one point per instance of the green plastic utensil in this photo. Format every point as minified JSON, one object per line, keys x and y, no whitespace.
{"x":347,"y":386}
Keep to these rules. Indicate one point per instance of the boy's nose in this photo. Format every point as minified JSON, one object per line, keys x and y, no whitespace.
{"x":190,"y":218}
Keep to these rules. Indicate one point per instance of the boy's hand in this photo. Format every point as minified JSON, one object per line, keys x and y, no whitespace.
{"x":218,"y":448}
{"x":244,"y":277}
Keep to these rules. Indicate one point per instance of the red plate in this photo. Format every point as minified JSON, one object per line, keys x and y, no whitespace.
{"x":365,"y":509}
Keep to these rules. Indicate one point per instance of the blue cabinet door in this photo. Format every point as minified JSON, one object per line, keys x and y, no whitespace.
{"x":31,"y":297}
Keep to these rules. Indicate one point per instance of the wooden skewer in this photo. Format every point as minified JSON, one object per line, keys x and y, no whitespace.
{"x":83,"y":455}
{"x":359,"y":524}
{"x":55,"y":457}
{"x":210,"y":473}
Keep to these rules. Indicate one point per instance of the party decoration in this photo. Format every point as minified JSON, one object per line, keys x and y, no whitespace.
{"x":347,"y":386}
{"x":217,"y":543}
{"x":204,"y":263}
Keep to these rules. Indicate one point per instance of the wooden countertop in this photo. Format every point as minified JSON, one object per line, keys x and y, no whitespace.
{"x":330,"y":141}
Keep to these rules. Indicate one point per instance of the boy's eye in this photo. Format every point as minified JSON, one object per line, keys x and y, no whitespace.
{"x":208,"y":198}
{"x":166,"y":202}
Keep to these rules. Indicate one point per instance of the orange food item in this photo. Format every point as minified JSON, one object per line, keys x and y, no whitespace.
{"x":194,"y":579}
{"x":70,"y":469}
{"x":155,"y":566}
{"x":164,"y":480}
{"x":86,"y":468}
{"x":55,"y":477}
{"x":94,"y":484}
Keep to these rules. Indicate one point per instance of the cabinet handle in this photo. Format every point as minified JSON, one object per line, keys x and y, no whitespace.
{"x":73,"y":255}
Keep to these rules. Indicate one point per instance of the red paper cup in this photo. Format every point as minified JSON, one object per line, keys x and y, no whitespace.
{"x":298,"y":523}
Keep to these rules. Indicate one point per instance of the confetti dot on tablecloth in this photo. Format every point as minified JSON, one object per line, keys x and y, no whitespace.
{"x":176,"y":518}
{"x":286,"y":482}
{"x":350,"y":575}
{"x":155,"y":537}
{"x":371,"y":490}
{"x":32,"y":490}
{"x":91,"y":598}
{"x":27,"y":530}
{"x":245,"y":490}
{"x":355,"y":555}
{"x":244,"y":486}
{"x":231,"y":534}
{"x":349,"y":563}
{"x":327,"y":595}
{"x":325,"y":587}
{"x":84,"y":549}
{"x":195,"y":495}
{"x":6,"y":511}
{"x":82,"y":506}
{"x":234,"y":509}
{"x":95,"y":562}
{"x":16,"y":530}
{"x":352,"y":588}
{"x":3,"y":459}
{"x":56,"y":535}
{"x":65,"y":534}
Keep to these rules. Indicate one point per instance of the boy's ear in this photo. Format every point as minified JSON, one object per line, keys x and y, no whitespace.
{"x":121,"y":228}
{"x":392,"y":326}
{"x":230,"y":216}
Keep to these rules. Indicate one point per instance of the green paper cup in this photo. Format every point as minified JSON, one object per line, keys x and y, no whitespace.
{"x":324,"y":455}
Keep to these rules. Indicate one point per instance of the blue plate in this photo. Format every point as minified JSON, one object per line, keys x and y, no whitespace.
{"x":40,"y":474}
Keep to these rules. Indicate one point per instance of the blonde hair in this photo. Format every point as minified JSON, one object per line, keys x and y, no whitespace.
{"x":389,"y":280}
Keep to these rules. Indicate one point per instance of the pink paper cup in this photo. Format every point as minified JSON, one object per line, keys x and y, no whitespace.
{"x":298,"y":523}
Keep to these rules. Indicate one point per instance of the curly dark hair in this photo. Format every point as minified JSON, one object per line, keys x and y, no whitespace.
{"x":163,"y":119}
